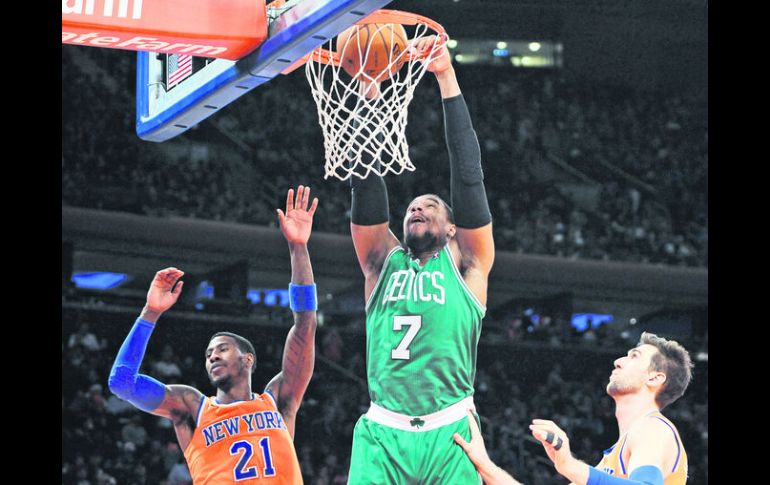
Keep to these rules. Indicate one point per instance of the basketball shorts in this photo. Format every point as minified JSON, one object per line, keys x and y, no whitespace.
{"x":391,"y":448}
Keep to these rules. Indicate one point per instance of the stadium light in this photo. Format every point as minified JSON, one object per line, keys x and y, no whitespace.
{"x":98,"y":280}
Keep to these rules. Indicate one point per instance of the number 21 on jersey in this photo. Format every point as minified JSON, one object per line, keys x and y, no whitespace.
{"x":241,"y":471}
{"x":414,"y":322}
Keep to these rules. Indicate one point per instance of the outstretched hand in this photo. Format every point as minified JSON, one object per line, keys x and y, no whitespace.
{"x":297,"y":221}
{"x":475,"y":448}
{"x":163,"y":293}
{"x":477,"y":452}
{"x":553,"y":439}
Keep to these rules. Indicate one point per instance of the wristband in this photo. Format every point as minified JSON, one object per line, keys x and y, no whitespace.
{"x":303,"y":298}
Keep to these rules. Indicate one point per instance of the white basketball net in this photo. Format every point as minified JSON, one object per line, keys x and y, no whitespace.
{"x":365,"y":131}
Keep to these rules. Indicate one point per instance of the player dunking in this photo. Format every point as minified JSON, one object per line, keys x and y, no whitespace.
{"x":236,"y":435}
{"x":649,"y":450}
{"x":425,"y":301}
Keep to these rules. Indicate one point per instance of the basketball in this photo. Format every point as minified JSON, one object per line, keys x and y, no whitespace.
{"x":375,"y":46}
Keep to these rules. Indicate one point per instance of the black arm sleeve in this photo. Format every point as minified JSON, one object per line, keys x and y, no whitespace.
{"x":369,"y":205}
{"x":468,"y":195}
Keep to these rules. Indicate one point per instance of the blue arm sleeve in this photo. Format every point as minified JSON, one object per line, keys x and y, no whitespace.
{"x":644,"y":475}
{"x":125,"y":382}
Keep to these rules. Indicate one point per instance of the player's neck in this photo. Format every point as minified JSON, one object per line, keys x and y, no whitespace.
{"x":241,"y":392}
{"x":424,"y":256}
{"x":631,"y":407}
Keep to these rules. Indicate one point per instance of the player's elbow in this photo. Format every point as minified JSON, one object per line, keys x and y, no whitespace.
{"x":122,"y":382}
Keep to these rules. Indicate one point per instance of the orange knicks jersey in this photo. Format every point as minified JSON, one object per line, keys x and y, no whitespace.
{"x":615,"y":460}
{"x":242,"y":442}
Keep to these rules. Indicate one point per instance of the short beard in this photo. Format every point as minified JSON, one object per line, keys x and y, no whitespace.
{"x":420,"y":244}
{"x":225,"y":383}
{"x":618,"y":389}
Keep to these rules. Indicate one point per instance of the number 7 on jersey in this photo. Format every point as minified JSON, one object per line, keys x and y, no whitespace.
{"x":414,"y":322}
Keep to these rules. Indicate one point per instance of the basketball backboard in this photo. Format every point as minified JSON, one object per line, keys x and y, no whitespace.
{"x":176,"y":92}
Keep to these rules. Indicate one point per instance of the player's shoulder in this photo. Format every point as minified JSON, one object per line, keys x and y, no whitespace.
{"x":658,"y":420}
{"x":396,"y":255}
{"x":462,"y":260}
{"x":397,"y":250}
{"x":187,"y":395}
{"x":268,"y":398}
{"x":453,"y":249}
{"x":183,"y":391}
{"x":654,"y":429}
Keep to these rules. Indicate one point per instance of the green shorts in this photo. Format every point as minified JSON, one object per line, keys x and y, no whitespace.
{"x":383,"y":455}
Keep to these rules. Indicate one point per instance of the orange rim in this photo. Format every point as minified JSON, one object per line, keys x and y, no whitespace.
{"x":382,"y":16}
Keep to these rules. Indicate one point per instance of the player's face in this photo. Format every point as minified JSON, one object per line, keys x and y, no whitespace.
{"x":225,"y":361}
{"x":426,"y":224}
{"x":631,"y":371}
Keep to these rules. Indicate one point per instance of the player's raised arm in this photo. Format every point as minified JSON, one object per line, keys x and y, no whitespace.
{"x":146,"y":393}
{"x":290,"y":384}
{"x":370,"y":226}
{"x":468,"y":195}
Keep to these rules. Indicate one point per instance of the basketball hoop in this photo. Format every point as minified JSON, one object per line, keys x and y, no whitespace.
{"x":363,"y":112}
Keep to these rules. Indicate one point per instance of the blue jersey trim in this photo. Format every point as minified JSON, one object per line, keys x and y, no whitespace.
{"x":620,"y":456}
{"x":676,"y":438}
{"x":234,"y":402}
{"x":275,"y":401}
{"x":200,"y":410}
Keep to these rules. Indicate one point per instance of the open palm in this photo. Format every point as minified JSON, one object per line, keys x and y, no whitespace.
{"x":297,"y":221}
{"x":162,"y":293}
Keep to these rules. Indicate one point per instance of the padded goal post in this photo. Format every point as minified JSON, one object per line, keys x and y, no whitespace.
{"x":212,"y":28}
{"x":163,"y":114}
{"x":183,"y":75}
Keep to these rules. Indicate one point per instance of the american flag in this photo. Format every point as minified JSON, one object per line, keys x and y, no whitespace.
{"x":178,"y":67}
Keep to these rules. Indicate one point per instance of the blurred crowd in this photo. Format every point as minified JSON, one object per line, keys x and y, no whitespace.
{"x":522,"y":376}
{"x":642,"y":158}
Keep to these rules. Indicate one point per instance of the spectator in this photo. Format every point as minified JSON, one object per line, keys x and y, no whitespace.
{"x":658,"y":141}
{"x":85,"y":339}
{"x":179,"y":474}
{"x":133,"y":432}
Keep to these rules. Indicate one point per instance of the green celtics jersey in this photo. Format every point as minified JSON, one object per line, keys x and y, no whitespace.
{"x":422,"y":329}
